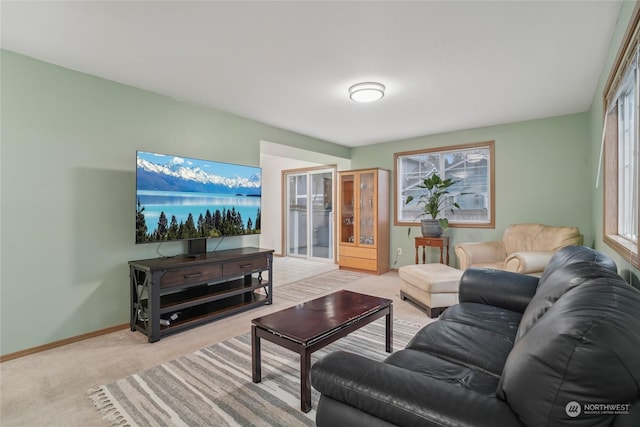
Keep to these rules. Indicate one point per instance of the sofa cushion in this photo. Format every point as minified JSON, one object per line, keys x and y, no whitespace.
{"x":465,"y":345}
{"x":560,"y":275}
{"x":491,"y":318}
{"x":555,"y":285}
{"x":539,"y":237}
{"x":400,"y":396}
{"x":584,"y":349}
{"x":573,"y":254}
{"x":434,"y":367}
{"x":496,"y":265}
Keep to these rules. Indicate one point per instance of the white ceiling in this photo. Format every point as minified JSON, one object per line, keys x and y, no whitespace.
{"x":447,"y":65}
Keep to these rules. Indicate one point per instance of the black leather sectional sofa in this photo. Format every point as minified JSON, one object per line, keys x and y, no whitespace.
{"x":559,"y":350}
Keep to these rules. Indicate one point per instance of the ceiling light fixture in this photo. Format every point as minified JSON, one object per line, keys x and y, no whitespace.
{"x":366,"y":92}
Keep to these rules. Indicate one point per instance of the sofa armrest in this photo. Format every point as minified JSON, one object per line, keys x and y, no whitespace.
{"x":403,"y":397}
{"x":480,"y":252}
{"x":512,"y":291}
{"x":528,"y":262}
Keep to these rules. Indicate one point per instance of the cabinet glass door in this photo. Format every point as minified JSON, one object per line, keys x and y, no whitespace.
{"x":367,"y":224}
{"x":347,"y":211}
{"x":322,"y":214}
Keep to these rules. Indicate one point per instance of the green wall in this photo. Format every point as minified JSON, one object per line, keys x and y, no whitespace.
{"x":68,"y":191}
{"x":542,"y":170}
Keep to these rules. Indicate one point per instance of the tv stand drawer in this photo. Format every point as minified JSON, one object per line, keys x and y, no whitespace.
{"x":245,"y":266}
{"x":203,"y":273}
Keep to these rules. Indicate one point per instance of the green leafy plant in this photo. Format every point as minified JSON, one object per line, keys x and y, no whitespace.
{"x":433,"y":198}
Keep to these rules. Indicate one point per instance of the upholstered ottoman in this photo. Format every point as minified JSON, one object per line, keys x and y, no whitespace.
{"x":433,"y":287}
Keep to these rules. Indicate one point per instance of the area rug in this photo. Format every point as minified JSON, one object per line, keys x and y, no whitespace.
{"x":316,"y":285}
{"x":213,"y":386}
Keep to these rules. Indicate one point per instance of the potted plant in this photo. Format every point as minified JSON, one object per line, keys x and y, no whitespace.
{"x":432,"y":201}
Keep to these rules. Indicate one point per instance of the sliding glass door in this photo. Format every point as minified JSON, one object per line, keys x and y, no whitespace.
{"x":309,"y":217}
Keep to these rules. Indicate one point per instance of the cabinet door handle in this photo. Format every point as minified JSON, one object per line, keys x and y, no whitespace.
{"x":246,"y":265}
{"x":191,"y":276}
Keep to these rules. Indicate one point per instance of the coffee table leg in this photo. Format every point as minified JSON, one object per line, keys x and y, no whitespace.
{"x":305,"y":380}
{"x":389,"y":324}
{"x":256,"y":365}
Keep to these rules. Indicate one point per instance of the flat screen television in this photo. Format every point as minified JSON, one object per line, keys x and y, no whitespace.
{"x":181,"y":198}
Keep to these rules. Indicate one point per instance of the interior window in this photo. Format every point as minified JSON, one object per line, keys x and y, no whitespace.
{"x":470,"y":166}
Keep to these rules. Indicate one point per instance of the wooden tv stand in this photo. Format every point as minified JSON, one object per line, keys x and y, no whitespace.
{"x":185,"y":291}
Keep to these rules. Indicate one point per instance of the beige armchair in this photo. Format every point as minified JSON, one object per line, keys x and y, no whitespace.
{"x":524,"y":248}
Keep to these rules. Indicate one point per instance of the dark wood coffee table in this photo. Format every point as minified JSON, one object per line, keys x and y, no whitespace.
{"x":312,"y":325}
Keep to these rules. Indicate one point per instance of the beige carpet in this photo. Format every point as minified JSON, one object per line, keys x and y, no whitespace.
{"x":56,"y":381}
{"x":213,"y":386}
{"x":320,"y":284}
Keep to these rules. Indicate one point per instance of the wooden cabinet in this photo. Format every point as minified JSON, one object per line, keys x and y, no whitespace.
{"x":364,"y":220}
{"x":174,"y":293}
